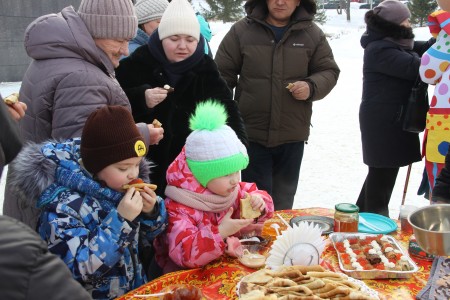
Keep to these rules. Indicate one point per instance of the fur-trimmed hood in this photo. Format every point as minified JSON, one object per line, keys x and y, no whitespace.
{"x":33,"y":172}
{"x":378,"y":28}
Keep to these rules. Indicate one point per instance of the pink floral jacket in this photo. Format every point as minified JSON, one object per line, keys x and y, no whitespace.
{"x":192,"y":237}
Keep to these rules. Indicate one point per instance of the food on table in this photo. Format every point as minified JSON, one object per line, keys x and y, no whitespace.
{"x":300,"y":282}
{"x":371,"y":253}
{"x":183,"y":292}
{"x":258,"y":295}
{"x":138,"y":184}
{"x":169,"y":88}
{"x":156,"y":123}
{"x":290,"y":85}
{"x":252,"y":260}
{"x":12,"y":99}
{"x":247,"y":212}
{"x":346,"y":217}
{"x":252,"y":256}
{"x":255,"y":240}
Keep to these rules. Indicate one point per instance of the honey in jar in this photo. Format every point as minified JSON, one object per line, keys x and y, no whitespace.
{"x":346,"y":217}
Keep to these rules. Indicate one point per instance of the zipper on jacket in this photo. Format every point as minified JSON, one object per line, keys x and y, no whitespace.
{"x":133,"y":259}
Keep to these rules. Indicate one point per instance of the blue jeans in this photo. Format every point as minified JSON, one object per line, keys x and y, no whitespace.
{"x":275,"y":170}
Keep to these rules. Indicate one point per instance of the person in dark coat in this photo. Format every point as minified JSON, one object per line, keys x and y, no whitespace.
{"x":27,"y":269}
{"x":391,"y":66}
{"x":174,"y":56}
{"x":441,"y":191}
{"x":10,"y":140}
{"x":279,"y":62}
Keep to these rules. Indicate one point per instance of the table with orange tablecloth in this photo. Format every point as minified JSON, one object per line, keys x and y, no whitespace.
{"x":218,"y":279}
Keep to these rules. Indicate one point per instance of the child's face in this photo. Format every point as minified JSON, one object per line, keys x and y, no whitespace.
{"x":120,"y":173}
{"x":225,"y":185}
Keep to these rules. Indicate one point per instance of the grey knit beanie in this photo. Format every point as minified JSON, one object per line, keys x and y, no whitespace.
{"x":179,"y":18}
{"x":109,"y":19}
{"x":393,"y":11}
{"x":149,"y":10}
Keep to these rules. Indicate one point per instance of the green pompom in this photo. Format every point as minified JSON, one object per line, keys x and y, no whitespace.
{"x":208,"y":115}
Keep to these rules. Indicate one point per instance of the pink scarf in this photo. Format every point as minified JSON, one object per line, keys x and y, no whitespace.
{"x":204,"y":202}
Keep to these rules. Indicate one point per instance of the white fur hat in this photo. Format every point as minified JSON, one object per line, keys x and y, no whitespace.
{"x":179,"y":18}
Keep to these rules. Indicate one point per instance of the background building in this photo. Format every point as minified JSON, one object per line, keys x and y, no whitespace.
{"x":15,"y":15}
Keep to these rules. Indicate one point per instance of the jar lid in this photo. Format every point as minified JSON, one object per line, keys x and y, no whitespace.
{"x":347,"y":207}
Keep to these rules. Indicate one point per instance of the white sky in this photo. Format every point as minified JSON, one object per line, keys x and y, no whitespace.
{"x":332,"y":170}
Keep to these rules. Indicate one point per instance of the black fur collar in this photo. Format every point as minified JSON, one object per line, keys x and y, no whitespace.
{"x":386,"y":28}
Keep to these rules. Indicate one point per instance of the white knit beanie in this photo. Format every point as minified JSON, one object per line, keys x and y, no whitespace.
{"x":213,"y":149}
{"x":109,"y":19}
{"x":179,"y":18}
{"x":149,"y":10}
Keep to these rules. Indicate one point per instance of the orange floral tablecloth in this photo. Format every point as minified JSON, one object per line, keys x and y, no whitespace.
{"x":219,"y":278}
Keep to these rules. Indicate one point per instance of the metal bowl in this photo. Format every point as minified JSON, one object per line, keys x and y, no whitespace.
{"x":431,"y":226}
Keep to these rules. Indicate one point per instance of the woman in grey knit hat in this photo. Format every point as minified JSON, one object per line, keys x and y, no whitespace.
{"x":71,"y":74}
{"x":149,"y":13}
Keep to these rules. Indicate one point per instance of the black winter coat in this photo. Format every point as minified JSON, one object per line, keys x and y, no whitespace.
{"x":441,"y":190}
{"x":29,"y":271}
{"x":389,"y":72}
{"x":141,"y":71}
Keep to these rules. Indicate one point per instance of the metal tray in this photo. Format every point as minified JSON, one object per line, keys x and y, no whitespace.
{"x":372,"y":274}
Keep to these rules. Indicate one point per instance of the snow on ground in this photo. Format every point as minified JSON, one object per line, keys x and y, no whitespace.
{"x":332,"y":170}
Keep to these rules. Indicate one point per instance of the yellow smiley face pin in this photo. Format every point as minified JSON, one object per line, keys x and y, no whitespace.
{"x":140,"y":148}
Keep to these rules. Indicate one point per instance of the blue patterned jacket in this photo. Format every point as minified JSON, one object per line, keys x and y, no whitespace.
{"x":81,"y":224}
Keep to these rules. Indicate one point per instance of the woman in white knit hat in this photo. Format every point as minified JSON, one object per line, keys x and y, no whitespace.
{"x":149,"y":13}
{"x":174,"y":56}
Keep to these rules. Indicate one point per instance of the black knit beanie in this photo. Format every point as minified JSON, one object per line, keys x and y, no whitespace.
{"x":109,"y":136}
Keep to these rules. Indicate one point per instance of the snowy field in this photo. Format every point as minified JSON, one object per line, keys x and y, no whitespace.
{"x":332,"y":170}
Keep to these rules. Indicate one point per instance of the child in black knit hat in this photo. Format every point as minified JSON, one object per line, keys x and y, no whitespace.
{"x":88,"y":218}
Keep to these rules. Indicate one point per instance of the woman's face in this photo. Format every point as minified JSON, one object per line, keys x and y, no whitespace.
{"x":113,"y":48}
{"x":179,"y":47}
{"x":406,"y":23}
{"x":151,"y":26}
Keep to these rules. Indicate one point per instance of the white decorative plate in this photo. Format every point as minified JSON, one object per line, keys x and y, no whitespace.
{"x":301,"y":244}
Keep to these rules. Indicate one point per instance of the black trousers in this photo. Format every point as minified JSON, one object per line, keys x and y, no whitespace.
{"x":275,"y":170}
{"x":376,"y":191}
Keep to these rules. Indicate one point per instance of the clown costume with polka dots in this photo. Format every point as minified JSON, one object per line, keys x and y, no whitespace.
{"x":434,"y":70}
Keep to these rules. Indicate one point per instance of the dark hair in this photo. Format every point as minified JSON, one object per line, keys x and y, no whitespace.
{"x":309,"y":5}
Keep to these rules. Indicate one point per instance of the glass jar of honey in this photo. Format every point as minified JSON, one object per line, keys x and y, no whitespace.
{"x":346,"y":217}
